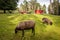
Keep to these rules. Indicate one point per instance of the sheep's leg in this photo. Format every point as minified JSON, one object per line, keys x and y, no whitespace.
{"x":46,"y":22}
{"x":33,"y":31}
{"x":22,"y":33}
{"x":51,"y":23}
{"x":15,"y":31}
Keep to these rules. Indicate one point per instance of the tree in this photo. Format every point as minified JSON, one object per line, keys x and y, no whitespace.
{"x":54,"y":7}
{"x":38,"y":6}
{"x":25,"y":5}
{"x":51,"y":8}
{"x":8,"y":5}
{"x":58,"y":7}
{"x":33,"y":4}
{"x":22,"y":7}
{"x":44,"y":8}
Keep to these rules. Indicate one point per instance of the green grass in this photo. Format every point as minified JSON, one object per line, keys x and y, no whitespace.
{"x":8,"y":22}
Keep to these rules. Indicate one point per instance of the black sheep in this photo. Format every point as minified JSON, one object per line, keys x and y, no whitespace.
{"x":47,"y":21}
{"x":25,"y":25}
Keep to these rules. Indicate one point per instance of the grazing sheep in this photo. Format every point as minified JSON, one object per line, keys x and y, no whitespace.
{"x":25,"y":25}
{"x":47,"y":21}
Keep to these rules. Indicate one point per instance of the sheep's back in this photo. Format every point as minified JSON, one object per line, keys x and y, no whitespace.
{"x":21,"y":25}
{"x":29,"y":23}
{"x":26,"y":24}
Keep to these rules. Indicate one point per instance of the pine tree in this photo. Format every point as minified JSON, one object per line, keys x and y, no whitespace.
{"x":44,"y":8}
{"x":25,"y":5}
{"x":8,"y":5}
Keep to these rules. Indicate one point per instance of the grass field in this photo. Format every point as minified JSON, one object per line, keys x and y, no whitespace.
{"x":8,"y":22}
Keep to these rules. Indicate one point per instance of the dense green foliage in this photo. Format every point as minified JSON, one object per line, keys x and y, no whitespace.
{"x":8,"y":23}
{"x":8,"y":5}
{"x":44,"y":8}
{"x":54,"y":7}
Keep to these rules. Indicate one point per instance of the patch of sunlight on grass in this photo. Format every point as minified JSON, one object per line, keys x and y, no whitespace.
{"x":42,"y":16}
{"x":15,"y":21}
{"x":11,"y":16}
{"x":38,"y":16}
{"x":57,"y":30}
{"x":48,"y":28}
{"x":31,"y":18}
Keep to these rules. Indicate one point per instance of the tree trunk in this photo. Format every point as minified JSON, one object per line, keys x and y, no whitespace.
{"x":4,"y":11}
{"x":9,"y":11}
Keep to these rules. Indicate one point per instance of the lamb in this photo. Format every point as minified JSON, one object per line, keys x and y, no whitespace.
{"x":26,"y":25}
{"x":47,"y":21}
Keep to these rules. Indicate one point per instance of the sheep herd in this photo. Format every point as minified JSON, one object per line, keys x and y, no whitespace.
{"x":30,"y":24}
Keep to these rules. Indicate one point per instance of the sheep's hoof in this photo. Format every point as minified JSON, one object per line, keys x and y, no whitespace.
{"x":15,"y":32}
